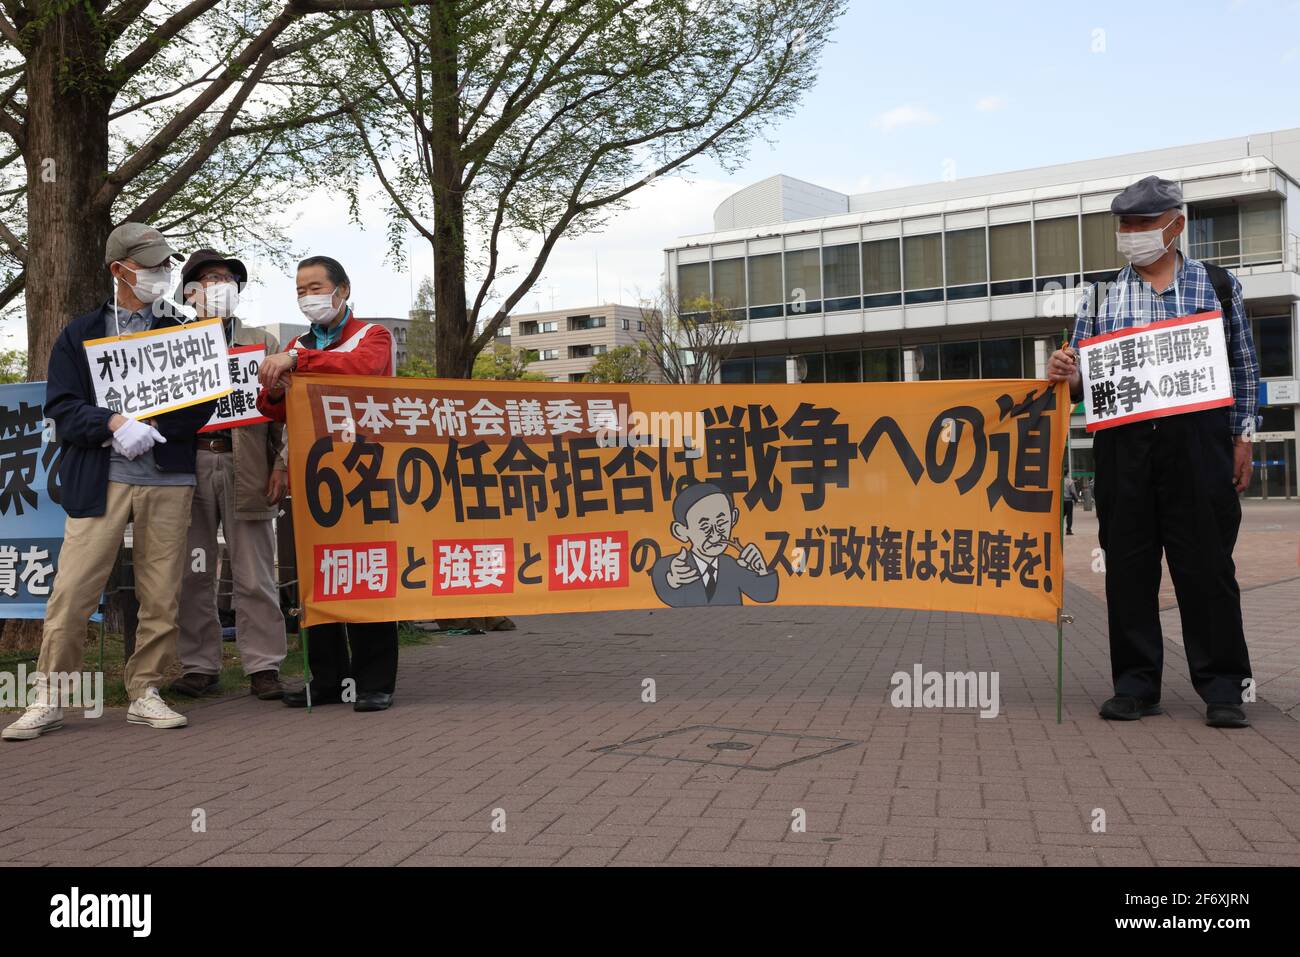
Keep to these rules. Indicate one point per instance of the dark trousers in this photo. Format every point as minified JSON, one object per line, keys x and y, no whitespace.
{"x":1166,"y":484}
{"x":373,"y":662}
{"x":1069,"y":515}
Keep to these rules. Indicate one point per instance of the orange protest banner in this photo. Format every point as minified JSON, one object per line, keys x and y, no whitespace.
{"x":429,"y":498}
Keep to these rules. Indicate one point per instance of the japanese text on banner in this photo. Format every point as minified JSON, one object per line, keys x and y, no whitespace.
{"x":1165,"y":368}
{"x":147,"y":373}
{"x":446,"y":498}
{"x":239,"y":407}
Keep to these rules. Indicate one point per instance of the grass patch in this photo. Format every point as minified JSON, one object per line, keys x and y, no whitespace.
{"x":233,"y":679}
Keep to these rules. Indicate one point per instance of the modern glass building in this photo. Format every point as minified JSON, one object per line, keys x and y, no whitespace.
{"x":980,"y":277}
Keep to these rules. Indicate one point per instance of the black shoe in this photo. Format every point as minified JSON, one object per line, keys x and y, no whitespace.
{"x":373,"y":701}
{"x":1069,"y":531}
{"x":1124,"y":707}
{"x":1225,"y":716}
{"x":298,"y":699}
{"x":195,"y":685}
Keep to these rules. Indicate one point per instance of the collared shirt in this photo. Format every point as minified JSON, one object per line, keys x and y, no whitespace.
{"x":1132,"y":301}
{"x":141,"y":470}
{"x":324,"y":337}
{"x":705,"y":565}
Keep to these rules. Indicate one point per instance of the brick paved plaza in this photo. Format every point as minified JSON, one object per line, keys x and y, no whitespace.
{"x":547,"y":724}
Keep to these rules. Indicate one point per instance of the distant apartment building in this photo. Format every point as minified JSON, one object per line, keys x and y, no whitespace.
{"x":562,"y":344}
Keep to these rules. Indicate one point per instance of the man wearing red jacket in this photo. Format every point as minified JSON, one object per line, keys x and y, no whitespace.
{"x":337,"y":343}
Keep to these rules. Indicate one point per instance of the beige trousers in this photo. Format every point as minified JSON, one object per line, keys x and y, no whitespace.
{"x":259,"y":623}
{"x":159,"y":515}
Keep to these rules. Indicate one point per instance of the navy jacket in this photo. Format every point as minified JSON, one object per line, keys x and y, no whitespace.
{"x":82,"y":426}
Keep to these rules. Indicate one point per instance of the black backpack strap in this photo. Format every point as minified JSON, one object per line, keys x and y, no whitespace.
{"x":1221,"y":280}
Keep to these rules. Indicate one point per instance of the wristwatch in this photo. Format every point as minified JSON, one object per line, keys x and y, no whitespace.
{"x":293,"y":359}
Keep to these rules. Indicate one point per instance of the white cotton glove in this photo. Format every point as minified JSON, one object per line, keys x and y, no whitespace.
{"x":133,"y":438}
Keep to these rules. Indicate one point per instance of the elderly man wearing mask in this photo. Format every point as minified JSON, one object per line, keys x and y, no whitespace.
{"x":242,"y":475}
{"x":116,"y":470}
{"x":339,"y":343}
{"x":1170,"y":484}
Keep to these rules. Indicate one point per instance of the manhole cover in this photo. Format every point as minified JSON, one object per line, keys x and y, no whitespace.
{"x":730,"y":747}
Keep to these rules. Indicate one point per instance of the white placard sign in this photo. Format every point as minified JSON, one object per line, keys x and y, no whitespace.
{"x":1145,"y":372}
{"x":148,"y":373}
{"x":240,"y":406}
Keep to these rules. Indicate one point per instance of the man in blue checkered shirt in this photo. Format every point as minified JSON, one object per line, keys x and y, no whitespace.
{"x":1170,"y":484}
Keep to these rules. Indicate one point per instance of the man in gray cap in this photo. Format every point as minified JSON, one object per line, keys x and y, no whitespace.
{"x":1170,"y":484}
{"x":115,"y":470}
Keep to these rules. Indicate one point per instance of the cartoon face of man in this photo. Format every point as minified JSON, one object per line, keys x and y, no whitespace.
{"x":708,"y":526}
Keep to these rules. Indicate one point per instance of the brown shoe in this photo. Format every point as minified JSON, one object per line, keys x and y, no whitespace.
{"x":195,"y":685}
{"x":266,"y":685}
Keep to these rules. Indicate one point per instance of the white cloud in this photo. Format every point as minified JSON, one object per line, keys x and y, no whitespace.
{"x":906,"y":115}
{"x":991,"y":104}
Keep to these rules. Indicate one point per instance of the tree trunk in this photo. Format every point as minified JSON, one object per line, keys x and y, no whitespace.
{"x":66,"y":154}
{"x":451,"y":334}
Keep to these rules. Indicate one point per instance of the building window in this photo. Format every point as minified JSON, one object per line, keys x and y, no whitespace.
{"x":1000,"y":359}
{"x":1011,"y":261}
{"x":1101,"y":259}
{"x":624,"y":324}
{"x":692,"y":284}
{"x":580,"y":352}
{"x":765,"y":298}
{"x":882,"y":274}
{"x":959,"y":360}
{"x":769,"y":368}
{"x":841,"y":283}
{"x":640,"y":325}
{"x":813,"y":365}
{"x":803,"y":281}
{"x":503,"y":332}
{"x":1261,"y":232}
{"x":583,"y":323}
{"x":925,"y":361}
{"x":548,"y":354}
{"x":844,"y":366}
{"x":528,"y":328}
{"x":882,"y":365}
{"x":967,"y":271}
{"x":1213,"y":234}
{"x":1056,"y":251}
{"x":737,"y":370}
{"x":548,"y":326}
{"x":922,"y":269}
{"x":577,"y":376}
{"x":599,"y":349}
{"x":1273,"y":346}
{"x":729,"y":286}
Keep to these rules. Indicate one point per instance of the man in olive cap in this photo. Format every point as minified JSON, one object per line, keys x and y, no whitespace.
{"x":116,"y":470}
{"x":1170,"y":484}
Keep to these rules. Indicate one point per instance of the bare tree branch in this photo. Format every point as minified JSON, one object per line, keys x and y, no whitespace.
{"x":16,"y":247}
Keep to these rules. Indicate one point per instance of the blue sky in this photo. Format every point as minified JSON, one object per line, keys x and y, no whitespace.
{"x":905,"y":88}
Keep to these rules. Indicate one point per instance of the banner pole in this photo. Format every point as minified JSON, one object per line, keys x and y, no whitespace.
{"x":1060,"y":618}
{"x":306,"y":665}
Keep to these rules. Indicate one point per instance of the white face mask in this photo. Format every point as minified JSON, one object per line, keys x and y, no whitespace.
{"x":151,"y":284}
{"x":319,"y":309}
{"x":220,"y":299}
{"x":1143,"y":248}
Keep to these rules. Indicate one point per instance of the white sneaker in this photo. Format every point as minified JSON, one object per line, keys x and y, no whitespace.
{"x":35,"y":721}
{"x":152,"y":710}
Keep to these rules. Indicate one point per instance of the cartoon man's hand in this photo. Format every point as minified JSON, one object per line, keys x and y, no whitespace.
{"x":753,"y":559}
{"x":682,"y":570}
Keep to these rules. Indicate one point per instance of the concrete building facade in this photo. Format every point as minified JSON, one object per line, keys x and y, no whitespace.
{"x":979,"y":277}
